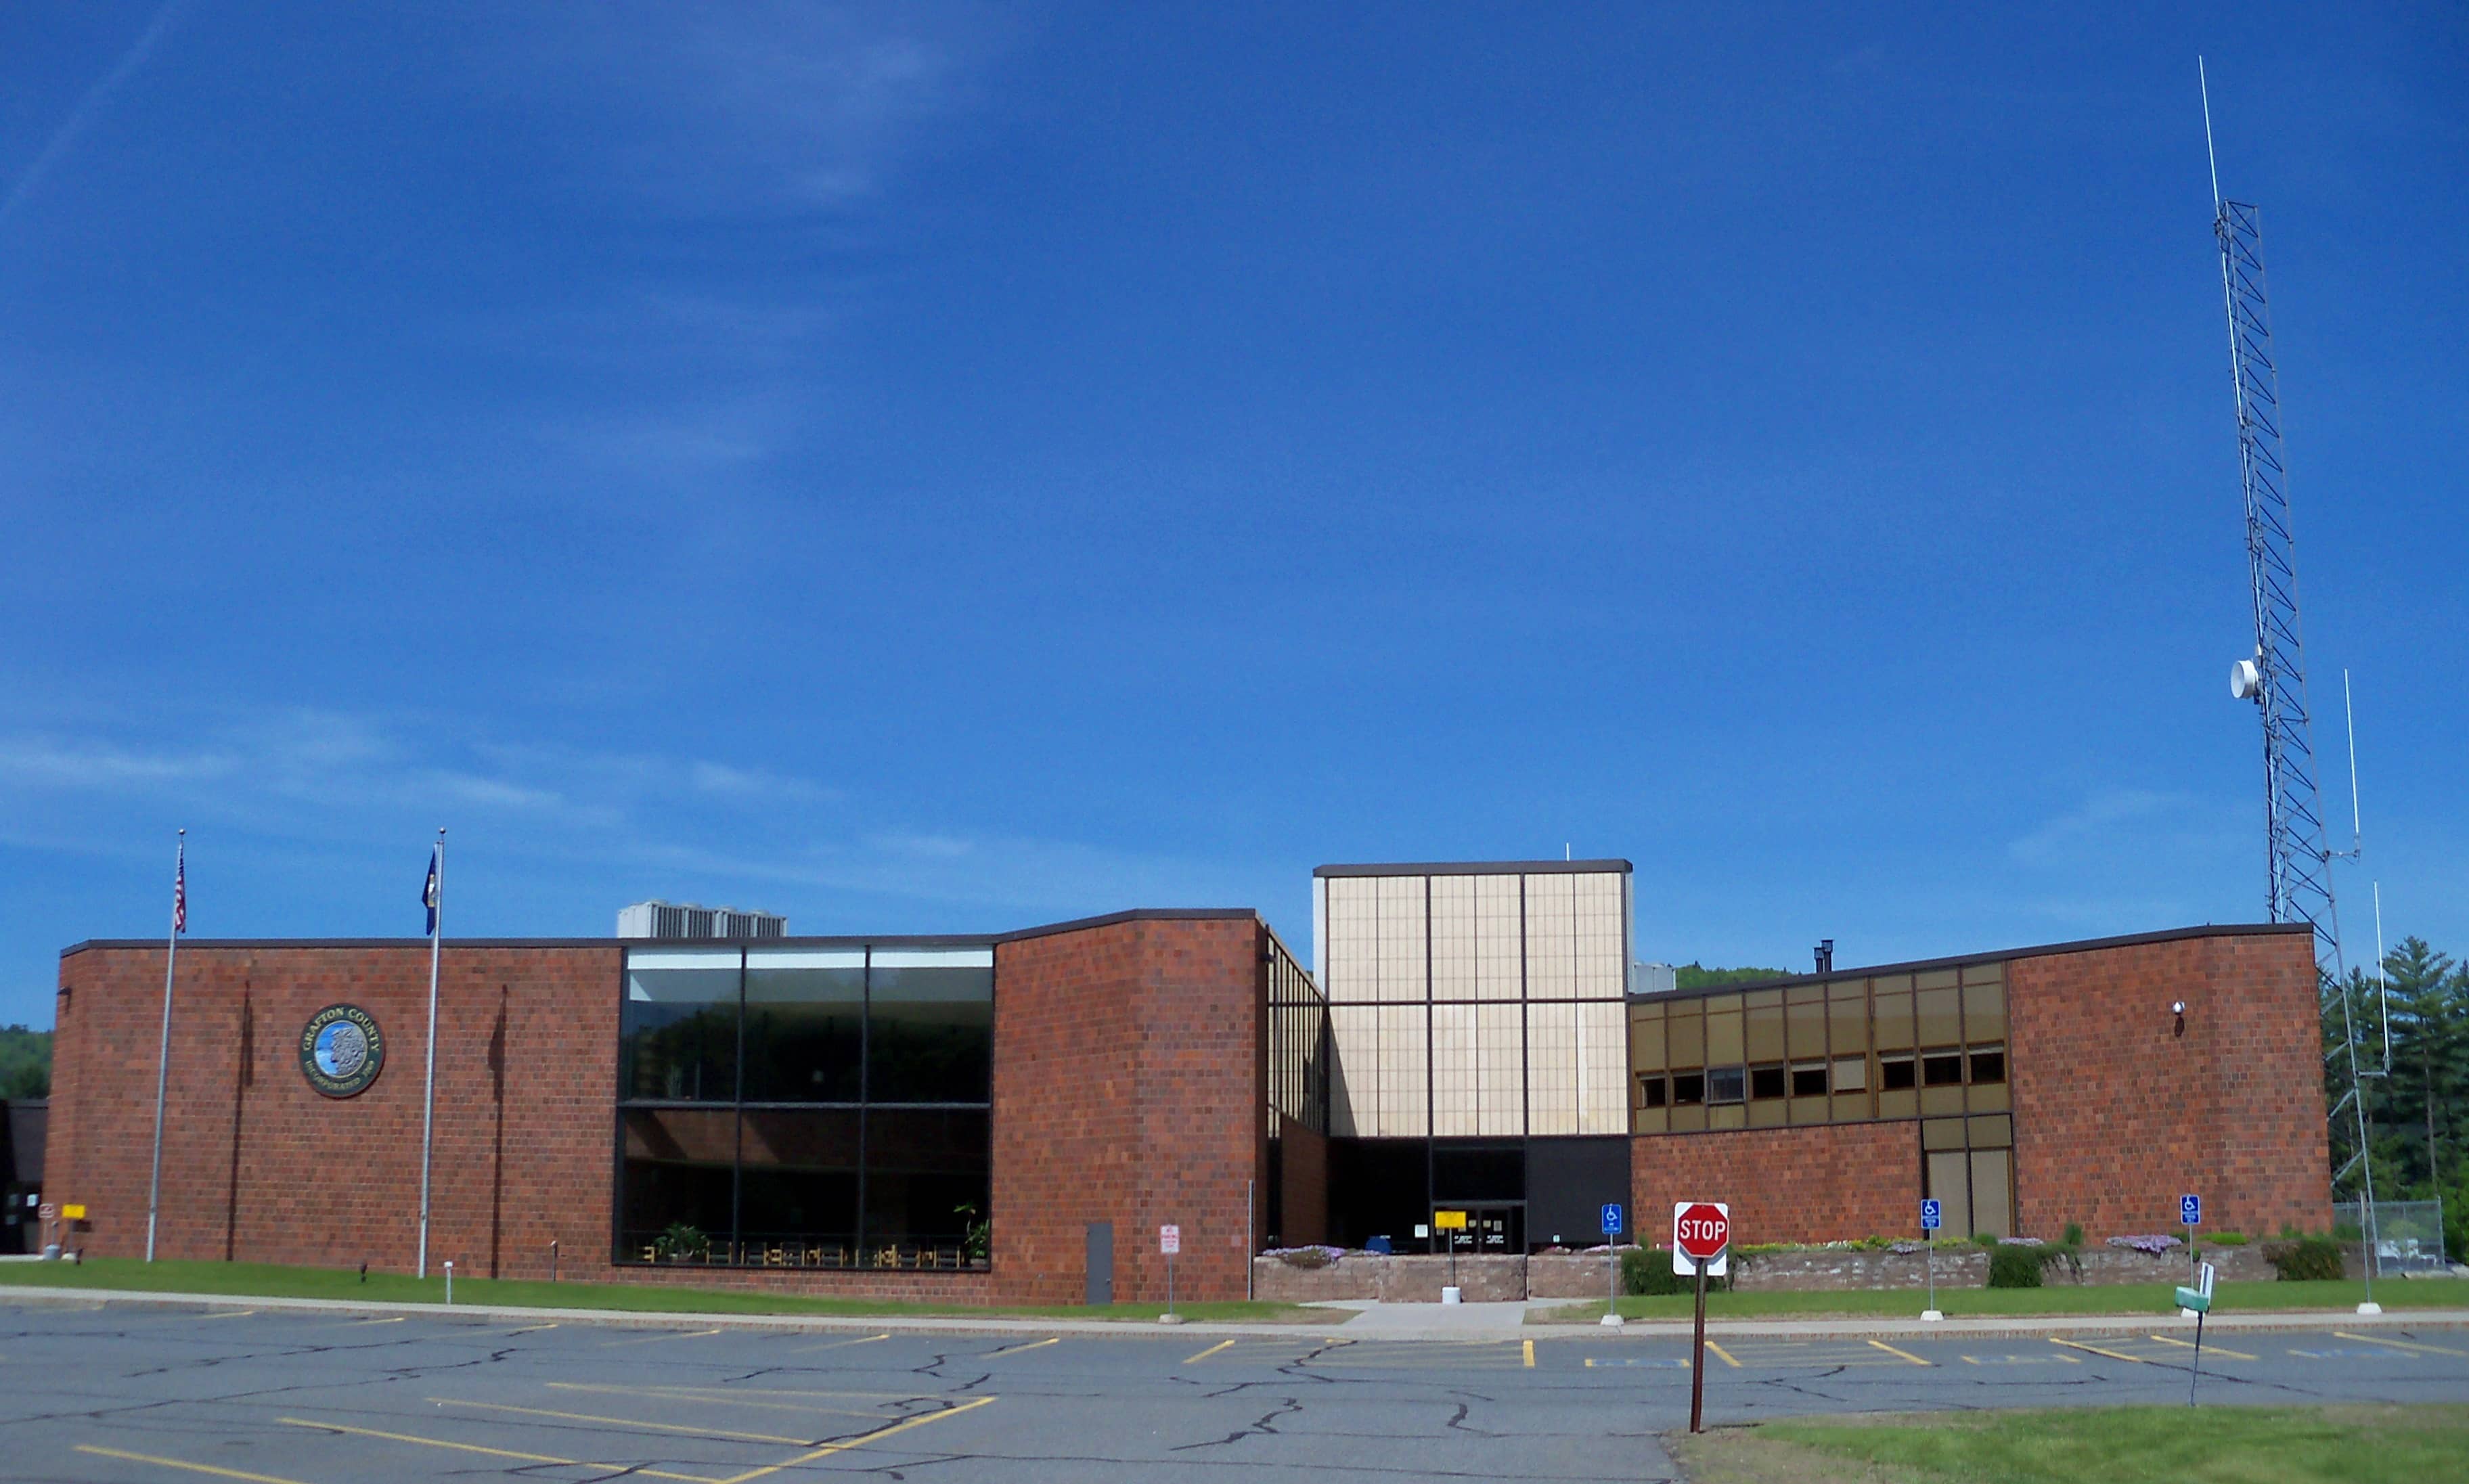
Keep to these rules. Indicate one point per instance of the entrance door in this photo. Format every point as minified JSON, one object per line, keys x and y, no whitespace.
{"x":1493,"y":1230}
{"x":1101,"y":1261}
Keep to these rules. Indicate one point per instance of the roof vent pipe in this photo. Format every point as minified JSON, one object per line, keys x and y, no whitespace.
{"x":1825,"y":956}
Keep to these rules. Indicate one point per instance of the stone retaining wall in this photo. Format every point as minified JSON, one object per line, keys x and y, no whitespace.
{"x":1417,"y":1278}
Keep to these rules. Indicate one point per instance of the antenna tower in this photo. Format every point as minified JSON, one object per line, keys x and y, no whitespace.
{"x":2299,"y":858}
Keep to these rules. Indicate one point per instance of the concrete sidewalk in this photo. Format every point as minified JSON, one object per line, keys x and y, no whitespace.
{"x":1360,"y":1319}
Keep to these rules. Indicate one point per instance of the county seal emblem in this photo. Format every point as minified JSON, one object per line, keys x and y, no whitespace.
{"x":340,"y":1051}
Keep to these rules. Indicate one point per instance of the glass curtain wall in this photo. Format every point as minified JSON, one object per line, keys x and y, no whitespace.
{"x":787,"y":1106}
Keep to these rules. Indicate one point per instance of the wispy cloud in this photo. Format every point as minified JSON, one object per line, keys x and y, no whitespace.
{"x":90,"y":107}
{"x":315,"y":786}
{"x":2115,"y":822}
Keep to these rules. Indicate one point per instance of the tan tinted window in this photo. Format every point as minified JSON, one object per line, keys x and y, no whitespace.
{"x":1765,"y":1033}
{"x":1941,"y":1021}
{"x":1984,"y":1012}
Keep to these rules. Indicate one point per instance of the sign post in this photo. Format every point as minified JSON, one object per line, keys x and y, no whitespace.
{"x":1450,"y":1223}
{"x":1702,"y":1242}
{"x":2197,"y":1301}
{"x":1932,"y":1216}
{"x":1169,"y":1243}
{"x":1612,"y":1226}
{"x":2190,"y":1215}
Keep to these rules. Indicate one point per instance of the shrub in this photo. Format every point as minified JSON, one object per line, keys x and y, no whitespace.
{"x":2015,"y":1268}
{"x":2074,"y":1234}
{"x":1647,"y":1270}
{"x":682,"y":1240}
{"x":2226,"y":1239}
{"x":2305,"y":1259}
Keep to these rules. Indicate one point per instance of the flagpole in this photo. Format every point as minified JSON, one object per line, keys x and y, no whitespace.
{"x":429,"y":1097}
{"x":163,"y":1051}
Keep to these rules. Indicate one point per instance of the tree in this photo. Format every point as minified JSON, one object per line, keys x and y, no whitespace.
{"x":25,"y":1062}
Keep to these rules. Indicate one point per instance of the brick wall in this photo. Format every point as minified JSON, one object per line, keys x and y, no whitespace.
{"x":258,"y":1166}
{"x":1816,"y":1184}
{"x":1127,"y":1088}
{"x":2116,"y":1114}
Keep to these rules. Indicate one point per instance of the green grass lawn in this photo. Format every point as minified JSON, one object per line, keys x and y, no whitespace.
{"x":2116,"y":1445}
{"x":2060,"y":1299}
{"x":269,"y":1280}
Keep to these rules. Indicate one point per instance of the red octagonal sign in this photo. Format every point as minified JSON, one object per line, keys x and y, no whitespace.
{"x":1701,"y":1230}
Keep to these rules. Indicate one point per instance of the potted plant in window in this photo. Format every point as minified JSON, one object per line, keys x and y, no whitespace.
{"x":682,"y":1242}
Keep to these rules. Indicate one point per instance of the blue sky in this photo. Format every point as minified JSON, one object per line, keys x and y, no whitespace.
{"x":943,"y":468}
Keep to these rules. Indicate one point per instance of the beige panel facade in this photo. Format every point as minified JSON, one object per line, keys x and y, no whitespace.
{"x":1500,"y":992}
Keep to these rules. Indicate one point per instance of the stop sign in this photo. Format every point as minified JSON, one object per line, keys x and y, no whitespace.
{"x":1701,"y":1229}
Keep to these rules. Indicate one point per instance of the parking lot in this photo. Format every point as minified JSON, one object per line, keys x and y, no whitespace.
{"x":309,"y":1396}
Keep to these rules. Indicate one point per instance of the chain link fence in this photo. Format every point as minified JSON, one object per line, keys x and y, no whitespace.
{"x":2409,"y":1234}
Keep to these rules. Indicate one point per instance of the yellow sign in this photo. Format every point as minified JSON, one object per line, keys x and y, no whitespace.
{"x":1449,"y":1220}
{"x":77,"y":1214}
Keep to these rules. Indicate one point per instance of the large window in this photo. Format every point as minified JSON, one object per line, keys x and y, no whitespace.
{"x":1892,"y":1046}
{"x":805,"y":1107}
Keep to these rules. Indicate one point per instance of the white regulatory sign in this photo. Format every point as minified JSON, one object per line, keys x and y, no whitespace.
{"x":1169,"y":1240}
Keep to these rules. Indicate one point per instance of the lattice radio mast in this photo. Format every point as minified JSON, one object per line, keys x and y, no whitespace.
{"x":2299,"y":858}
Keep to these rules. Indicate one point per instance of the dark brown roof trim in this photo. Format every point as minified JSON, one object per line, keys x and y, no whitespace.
{"x":1478,"y":868}
{"x":2040,"y":950}
{"x":845,"y":941}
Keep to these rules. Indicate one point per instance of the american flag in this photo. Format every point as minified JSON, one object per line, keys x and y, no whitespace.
{"x":180,"y":891}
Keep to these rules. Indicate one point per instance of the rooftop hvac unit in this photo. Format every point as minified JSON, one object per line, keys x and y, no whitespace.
{"x":687,"y":921}
{"x":1651,"y":979}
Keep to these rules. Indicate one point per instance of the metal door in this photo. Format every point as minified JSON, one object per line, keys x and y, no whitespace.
{"x":1101,"y":1261}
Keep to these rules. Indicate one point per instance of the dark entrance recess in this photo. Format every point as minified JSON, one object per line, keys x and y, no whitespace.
{"x":1101,"y":1263}
{"x":1377,"y":1188}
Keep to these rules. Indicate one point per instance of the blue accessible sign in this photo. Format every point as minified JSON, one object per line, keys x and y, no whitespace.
{"x":1612,"y":1224}
{"x":2190,"y":1210}
{"x":1929,"y":1216}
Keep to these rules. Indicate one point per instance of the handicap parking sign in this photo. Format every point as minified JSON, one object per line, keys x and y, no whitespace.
{"x":2190,"y":1210}
{"x":1929,"y":1216}
{"x":1611,"y":1218}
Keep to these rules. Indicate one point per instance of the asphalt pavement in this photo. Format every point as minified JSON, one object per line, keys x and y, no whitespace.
{"x":94,"y":1391}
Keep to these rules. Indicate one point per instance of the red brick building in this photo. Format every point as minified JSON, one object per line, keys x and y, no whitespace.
{"x":810,"y":1113}
{"x":1010,"y":1118}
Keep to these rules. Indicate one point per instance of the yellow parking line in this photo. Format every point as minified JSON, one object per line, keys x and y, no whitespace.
{"x":1892,"y":1351}
{"x":839,"y":1343}
{"x":708,"y":1398}
{"x":356,"y":1323}
{"x":1530,"y":1355}
{"x":174,"y":1463}
{"x":1211,"y":1351}
{"x":1013,"y":1350}
{"x":490,"y":1452}
{"x":2061,"y":1359}
{"x":2400,"y":1344}
{"x":228,"y":1314}
{"x":627,"y":1422}
{"x":2096,"y":1350}
{"x":532,"y":1329}
{"x":1720,"y":1354}
{"x":860,"y":1441}
{"x":2215,"y":1350}
{"x":650,"y":1339}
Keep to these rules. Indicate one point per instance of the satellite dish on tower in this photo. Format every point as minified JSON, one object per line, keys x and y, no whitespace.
{"x":2246,"y":680}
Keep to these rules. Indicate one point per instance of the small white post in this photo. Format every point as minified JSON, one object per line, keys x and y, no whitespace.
{"x":450,"y":1280}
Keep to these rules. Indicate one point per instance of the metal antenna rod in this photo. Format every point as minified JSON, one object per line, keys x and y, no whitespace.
{"x":2357,"y":831}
